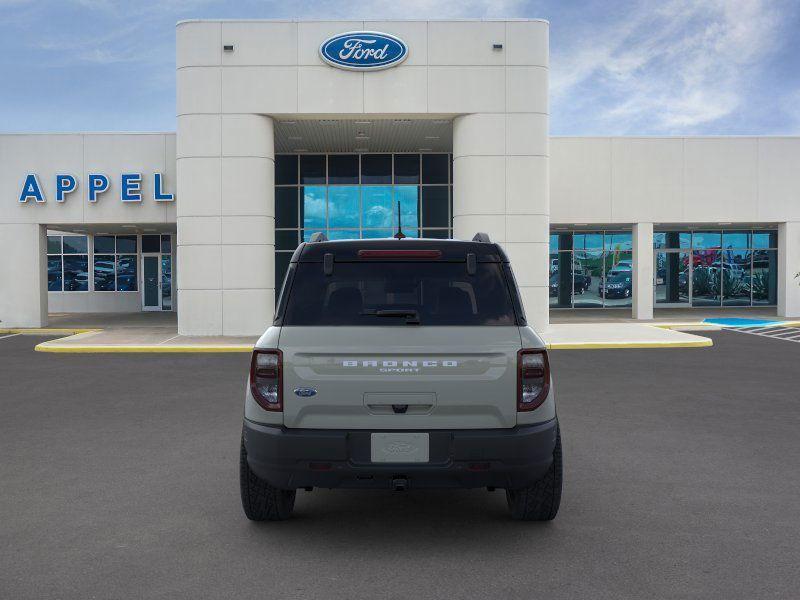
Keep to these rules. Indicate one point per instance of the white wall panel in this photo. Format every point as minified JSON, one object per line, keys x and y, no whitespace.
{"x":720,"y":179}
{"x":466,"y":89}
{"x":647,"y":180}
{"x":259,"y":90}
{"x":259,"y":43}
{"x":198,"y":44}
{"x":199,"y":90}
{"x":580,"y":180}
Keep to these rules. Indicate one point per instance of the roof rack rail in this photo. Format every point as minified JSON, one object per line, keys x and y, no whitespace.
{"x":318,"y":236}
{"x":482,"y":237}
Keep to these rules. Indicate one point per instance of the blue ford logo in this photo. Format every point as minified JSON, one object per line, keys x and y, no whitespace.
{"x":363,"y":50}
{"x":305,"y":392}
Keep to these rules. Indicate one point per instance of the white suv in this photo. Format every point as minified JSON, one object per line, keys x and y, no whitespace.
{"x":399,"y":364}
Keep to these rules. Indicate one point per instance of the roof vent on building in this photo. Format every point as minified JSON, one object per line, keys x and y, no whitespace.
{"x":318,"y":236}
{"x":482,"y":237}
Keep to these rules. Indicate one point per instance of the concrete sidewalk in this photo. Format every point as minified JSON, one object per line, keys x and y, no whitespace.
{"x":158,"y":333}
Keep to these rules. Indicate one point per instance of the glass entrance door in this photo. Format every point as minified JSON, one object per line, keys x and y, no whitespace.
{"x":151,"y":288}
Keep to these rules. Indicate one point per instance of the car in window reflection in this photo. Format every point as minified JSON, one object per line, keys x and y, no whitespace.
{"x":582,"y":281}
{"x":623,"y":267}
{"x":617,"y":286}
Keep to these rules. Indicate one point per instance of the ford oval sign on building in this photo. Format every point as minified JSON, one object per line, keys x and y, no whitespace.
{"x":363,"y":50}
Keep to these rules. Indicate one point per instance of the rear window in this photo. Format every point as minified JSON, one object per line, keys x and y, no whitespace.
{"x":397,"y":293}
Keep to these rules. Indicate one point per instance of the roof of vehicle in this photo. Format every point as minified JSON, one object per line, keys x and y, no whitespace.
{"x":348,"y":250}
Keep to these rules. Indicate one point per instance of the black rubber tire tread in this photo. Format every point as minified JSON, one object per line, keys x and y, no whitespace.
{"x":540,"y":501}
{"x":261,"y":501}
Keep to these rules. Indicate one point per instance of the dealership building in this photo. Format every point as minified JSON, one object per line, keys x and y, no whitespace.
{"x":286,"y":128}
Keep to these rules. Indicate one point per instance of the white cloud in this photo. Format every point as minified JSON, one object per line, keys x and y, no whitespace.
{"x":670,"y":68}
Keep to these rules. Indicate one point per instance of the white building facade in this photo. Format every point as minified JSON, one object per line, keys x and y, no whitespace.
{"x":276,"y":140}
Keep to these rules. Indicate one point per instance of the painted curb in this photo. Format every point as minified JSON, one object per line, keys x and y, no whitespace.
{"x":60,"y":349}
{"x":46,"y":331}
{"x":704,"y":343}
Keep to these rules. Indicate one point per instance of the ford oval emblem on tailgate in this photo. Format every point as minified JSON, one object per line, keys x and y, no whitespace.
{"x":305,"y":392}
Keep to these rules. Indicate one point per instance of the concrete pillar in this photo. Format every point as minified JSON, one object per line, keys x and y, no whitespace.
{"x":788,"y":267}
{"x":643,"y":271}
{"x":501,"y":187}
{"x":23,"y":276}
{"x":226,"y":224}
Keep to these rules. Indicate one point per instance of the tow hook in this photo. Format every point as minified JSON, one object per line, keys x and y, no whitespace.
{"x":399,"y":484}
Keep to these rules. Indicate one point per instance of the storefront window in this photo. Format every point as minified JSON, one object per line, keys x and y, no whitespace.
{"x":718,"y":268}
{"x":352,"y":196}
{"x":599,"y":269}
{"x":116,"y":271}
{"x":67,"y":263}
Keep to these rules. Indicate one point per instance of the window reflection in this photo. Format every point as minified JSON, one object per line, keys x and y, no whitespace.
{"x":322,"y":193}
{"x":721,"y":268}
{"x":343,"y":206}
{"x":377,"y":206}
{"x":672,"y":278}
{"x":313,"y":208}
{"x":765,"y":277}
{"x":587,"y":276}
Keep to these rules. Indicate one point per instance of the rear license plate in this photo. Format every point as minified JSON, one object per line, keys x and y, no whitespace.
{"x":400,"y":447}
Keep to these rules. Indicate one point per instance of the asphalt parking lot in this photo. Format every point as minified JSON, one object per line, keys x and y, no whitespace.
{"x":119,"y":479}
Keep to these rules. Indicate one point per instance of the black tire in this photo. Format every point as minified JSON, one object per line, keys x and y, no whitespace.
{"x":540,"y":501}
{"x":261,"y":501}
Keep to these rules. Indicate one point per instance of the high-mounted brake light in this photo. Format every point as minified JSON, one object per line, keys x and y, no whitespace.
{"x":399,"y":254}
{"x":266,"y":379}
{"x":533,"y":379}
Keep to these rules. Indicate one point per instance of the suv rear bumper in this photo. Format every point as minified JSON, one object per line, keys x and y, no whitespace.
{"x":459,"y":458}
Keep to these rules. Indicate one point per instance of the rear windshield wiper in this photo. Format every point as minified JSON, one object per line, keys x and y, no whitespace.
{"x":411,"y":315}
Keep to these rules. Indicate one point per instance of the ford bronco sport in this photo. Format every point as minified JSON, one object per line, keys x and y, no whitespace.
{"x":395,"y":364}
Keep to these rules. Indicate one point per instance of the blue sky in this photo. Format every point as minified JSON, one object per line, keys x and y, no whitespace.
{"x":617,"y":68}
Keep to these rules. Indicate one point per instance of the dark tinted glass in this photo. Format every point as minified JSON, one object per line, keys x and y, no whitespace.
{"x":406,"y":168}
{"x":126,"y":244}
{"x":285,"y":207}
{"x":76,"y":273}
{"x":104,"y":272}
{"x":440,"y":293}
{"x":150,"y":243}
{"x":285,"y":169}
{"x":54,"y":244}
{"x":376,"y":168}
{"x":434,"y":168}
{"x":434,"y":206}
{"x":343,"y":168}
{"x":286,"y":240}
{"x":126,"y":274}
{"x":104,"y":244}
{"x":54,"y":274}
{"x":312,"y":168}
{"x":75,"y":244}
{"x":166,"y":244}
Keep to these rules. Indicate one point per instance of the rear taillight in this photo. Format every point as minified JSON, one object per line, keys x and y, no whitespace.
{"x":533,"y":378}
{"x":266,"y":378}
